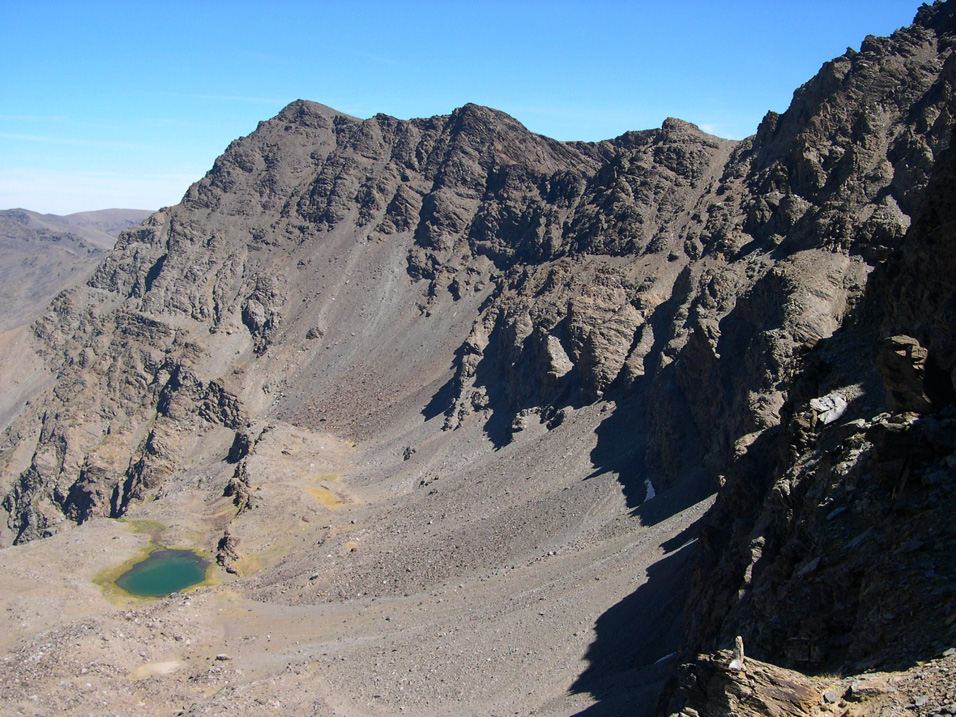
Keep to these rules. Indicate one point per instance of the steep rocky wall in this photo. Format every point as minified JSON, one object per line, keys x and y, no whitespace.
{"x":814,"y":470}
{"x":830,"y":546}
{"x":739,"y":258}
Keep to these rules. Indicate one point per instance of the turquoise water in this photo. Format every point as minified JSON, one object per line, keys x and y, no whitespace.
{"x":164,"y":572}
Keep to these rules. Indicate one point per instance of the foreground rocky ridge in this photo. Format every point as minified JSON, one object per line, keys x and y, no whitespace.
{"x":453,"y":322}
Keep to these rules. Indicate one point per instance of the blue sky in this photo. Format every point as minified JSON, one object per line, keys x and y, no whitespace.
{"x":124,"y":104}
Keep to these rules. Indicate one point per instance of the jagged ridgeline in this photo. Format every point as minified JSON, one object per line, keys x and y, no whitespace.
{"x":688,"y":270}
{"x":391,"y":282}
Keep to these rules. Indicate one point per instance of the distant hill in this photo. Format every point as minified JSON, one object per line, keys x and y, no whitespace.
{"x":42,"y":254}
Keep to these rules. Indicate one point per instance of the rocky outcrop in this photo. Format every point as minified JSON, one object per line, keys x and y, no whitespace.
{"x":716,"y":689}
{"x":829,"y":546}
{"x":761,"y":689}
{"x":902,"y":364}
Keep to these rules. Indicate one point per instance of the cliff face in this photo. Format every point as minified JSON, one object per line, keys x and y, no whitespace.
{"x":856,"y":486}
{"x":829,"y":548}
{"x":428,"y":235}
{"x":406,"y":279}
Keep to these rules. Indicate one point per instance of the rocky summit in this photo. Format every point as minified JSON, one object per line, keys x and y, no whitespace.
{"x":473,"y":421}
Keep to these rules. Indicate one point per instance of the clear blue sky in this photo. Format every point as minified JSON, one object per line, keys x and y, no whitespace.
{"x":124,"y":104}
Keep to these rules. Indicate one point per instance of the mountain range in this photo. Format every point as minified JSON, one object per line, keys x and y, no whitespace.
{"x":473,"y":421}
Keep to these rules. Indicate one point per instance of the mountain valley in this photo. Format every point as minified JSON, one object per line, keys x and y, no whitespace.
{"x":473,"y":421}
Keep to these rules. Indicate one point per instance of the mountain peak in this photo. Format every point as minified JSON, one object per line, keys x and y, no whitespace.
{"x":306,"y":112}
{"x":940,"y":16}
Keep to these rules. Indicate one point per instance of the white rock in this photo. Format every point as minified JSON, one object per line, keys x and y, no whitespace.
{"x":829,"y":408}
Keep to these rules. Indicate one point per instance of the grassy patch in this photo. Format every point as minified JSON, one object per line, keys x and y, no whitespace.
{"x":324,"y":496}
{"x":248,"y":564}
{"x":106,"y":579}
{"x":153,"y":527}
{"x":323,"y":493}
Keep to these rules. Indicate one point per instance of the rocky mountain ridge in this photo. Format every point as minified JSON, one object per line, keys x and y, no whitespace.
{"x":42,"y":254}
{"x":568,"y":344}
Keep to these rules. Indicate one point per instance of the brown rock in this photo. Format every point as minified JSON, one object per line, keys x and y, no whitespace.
{"x":902,"y":365}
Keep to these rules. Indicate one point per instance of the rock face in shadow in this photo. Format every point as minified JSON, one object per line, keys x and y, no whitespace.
{"x":829,"y":548}
{"x":724,"y":303}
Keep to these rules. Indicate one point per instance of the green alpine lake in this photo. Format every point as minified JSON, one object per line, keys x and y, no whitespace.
{"x":164,"y":572}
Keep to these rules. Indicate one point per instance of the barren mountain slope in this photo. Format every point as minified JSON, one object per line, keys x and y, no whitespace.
{"x":42,"y":254}
{"x":221,"y":363}
{"x":446,"y":399}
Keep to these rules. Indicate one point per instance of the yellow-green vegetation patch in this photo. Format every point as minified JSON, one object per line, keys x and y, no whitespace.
{"x":106,"y":579}
{"x":248,"y":564}
{"x":323,"y":493}
{"x":325,"y":496}
{"x":153,"y":527}
{"x":267,"y":555}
